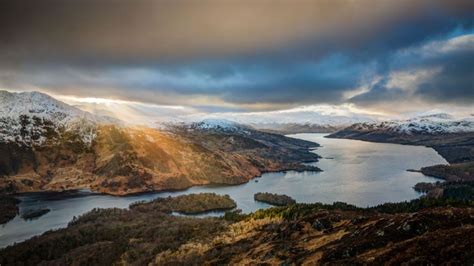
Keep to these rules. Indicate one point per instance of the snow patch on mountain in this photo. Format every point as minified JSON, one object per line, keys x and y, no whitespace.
{"x":14,"y":104}
{"x":322,"y":115}
{"x":34,"y":118}
{"x":427,"y":124}
{"x":218,"y":125}
{"x":221,"y":125}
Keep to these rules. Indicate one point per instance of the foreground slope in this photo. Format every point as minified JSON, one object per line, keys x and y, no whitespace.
{"x":50,"y":146}
{"x":423,"y":231}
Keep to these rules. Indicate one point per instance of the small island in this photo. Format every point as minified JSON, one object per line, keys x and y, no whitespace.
{"x":424,"y":187}
{"x":32,"y":214}
{"x":274,"y":199}
{"x":188,"y":204}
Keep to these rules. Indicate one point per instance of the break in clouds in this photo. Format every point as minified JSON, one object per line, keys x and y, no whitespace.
{"x":234,"y":56}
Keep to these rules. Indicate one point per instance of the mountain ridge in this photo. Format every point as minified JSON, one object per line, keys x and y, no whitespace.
{"x":452,"y":139}
{"x":62,"y":149}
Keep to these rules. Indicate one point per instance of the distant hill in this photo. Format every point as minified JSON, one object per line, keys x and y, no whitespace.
{"x":451,"y":138}
{"x":306,"y":119}
{"x":295,"y":128}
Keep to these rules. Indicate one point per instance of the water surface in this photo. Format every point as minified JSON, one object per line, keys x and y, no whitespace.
{"x":356,"y":172}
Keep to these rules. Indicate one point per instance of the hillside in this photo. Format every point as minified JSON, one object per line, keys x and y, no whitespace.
{"x":50,"y":146}
{"x":423,"y":231}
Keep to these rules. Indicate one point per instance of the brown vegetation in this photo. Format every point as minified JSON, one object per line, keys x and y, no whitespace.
{"x":129,"y":160}
{"x":188,"y":204}
{"x":339,"y":237}
{"x":452,"y":172}
{"x":423,"y":231}
{"x":107,"y":236}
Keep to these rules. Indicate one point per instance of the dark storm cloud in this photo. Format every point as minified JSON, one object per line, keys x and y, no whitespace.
{"x":439,"y":71}
{"x":380,"y":92}
{"x":242,"y":52}
{"x":455,"y":83}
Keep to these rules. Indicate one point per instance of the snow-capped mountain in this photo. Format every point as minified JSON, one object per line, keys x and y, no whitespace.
{"x":219,"y":125}
{"x":428,"y":124}
{"x":46,"y":145}
{"x":32,"y":118}
{"x":216,"y":125}
{"x":15,"y":104}
{"x":325,"y":116}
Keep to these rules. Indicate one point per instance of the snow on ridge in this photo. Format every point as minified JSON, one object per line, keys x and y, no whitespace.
{"x":36,"y":104}
{"x":320,"y":120}
{"x":441,"y":123}
{"x":301,"y":118}
{"x":15,"y":104}
{"x":222,"y":125}
{"x":216,"y":124}
{"x":207,"y":124}
{"x":25,"y":118}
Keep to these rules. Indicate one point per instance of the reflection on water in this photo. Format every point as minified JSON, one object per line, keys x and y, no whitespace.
{"x":357,"y":172}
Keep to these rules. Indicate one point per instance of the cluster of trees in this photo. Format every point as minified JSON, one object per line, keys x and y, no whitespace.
{"x":108,"y":236}
{"x":274,"y":199}
{"x":461,"y":171}
{"x":122,"y":235}
{"x":188,"y":204}
{"x":459,"y":194}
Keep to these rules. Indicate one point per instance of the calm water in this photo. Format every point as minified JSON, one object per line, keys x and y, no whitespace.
{"x":357,"y":172}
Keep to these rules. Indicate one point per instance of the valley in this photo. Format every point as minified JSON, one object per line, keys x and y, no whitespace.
{"x":353,"y":171}
{"x":55,"y":148}
{"x":138,"y":132}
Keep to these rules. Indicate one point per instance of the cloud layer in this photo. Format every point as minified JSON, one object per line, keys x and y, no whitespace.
{"x":236,"y":56}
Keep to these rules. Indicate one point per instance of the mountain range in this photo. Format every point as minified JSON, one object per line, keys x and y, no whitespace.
{"x":451,"y":138}
{"x":47,"y":145}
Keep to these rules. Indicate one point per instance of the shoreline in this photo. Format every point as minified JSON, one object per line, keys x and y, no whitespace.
{"x":85,"y":192}
{"x":446,"y":155}
{"x":89,"y":192}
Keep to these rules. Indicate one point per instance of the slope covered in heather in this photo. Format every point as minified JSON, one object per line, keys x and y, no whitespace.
{"x":423,"y":231}
{"x":48,"y":145}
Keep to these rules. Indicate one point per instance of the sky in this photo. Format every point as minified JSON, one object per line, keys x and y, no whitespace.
{"x":161,"y":59}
